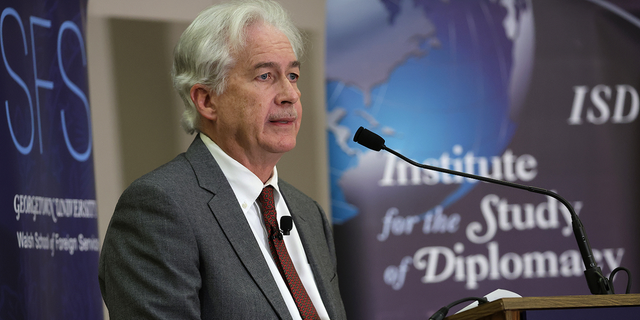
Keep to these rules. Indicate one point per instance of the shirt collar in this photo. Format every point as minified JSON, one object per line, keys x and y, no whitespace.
{"x":245,"y":184}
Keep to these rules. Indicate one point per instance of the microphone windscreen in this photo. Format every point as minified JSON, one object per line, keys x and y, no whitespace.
{"x":286,"y":224}
{"x":368,"y":139}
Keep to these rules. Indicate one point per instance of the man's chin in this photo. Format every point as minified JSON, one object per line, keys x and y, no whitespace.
{"x":283,"y":146}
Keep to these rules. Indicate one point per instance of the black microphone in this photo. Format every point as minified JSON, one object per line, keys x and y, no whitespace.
{"x":286,"y":224}
{"x":597,"y":282}
{"x":369,"y":139}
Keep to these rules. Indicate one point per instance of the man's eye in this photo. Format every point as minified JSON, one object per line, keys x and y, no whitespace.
{"x":293,"y":77}
{"x":264,"y":76}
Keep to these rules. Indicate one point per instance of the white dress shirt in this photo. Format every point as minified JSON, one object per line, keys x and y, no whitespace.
{"x":247,"y":187}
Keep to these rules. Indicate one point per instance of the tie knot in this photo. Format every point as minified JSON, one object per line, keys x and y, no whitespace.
{"x":266,"y":197}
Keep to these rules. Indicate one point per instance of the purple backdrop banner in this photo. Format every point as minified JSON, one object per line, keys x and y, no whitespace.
{"x":48,"y":223}
{"x":541,"y":93}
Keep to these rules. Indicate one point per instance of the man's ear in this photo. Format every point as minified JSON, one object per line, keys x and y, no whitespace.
{"x":202,"y":98}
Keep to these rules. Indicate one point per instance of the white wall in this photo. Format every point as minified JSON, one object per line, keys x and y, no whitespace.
{"x":136,"y":114}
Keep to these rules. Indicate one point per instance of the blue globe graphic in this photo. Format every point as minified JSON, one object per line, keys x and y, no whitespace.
{"x":447,"y":86}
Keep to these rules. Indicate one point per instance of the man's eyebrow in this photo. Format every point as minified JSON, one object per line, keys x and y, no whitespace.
{"x":293,"y":64}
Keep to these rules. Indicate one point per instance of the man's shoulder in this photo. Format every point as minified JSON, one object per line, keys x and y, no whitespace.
{"x":173,"y":175}
{"x":180,"y":170}
{"x":177,"y":167}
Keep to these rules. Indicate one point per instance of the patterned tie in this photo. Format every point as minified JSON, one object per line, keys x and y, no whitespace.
{"x":281,"y":257}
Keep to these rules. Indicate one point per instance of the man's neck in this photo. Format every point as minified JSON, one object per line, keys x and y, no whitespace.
{"x":261,"y":164}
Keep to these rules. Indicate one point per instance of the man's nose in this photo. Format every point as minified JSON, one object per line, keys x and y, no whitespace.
{"x":288,"y":92}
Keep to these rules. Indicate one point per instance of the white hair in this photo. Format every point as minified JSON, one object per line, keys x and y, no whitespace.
{"x":204,"y":53}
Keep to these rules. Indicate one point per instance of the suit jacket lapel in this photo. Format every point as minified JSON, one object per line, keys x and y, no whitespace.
{"x":231,"y":219}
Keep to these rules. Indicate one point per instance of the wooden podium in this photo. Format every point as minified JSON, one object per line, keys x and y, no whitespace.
{"x":614,"y":306}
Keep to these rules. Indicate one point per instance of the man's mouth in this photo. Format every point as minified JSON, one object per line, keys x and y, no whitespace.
{"x":284,"y":117}
{"x":283,"y":121}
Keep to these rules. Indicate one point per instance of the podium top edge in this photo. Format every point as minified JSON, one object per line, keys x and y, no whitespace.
{"x":553,"y":302}
{"x":582,"y":301}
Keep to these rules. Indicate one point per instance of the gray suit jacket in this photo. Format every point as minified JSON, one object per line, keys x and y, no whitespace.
{"x":179,"y":247}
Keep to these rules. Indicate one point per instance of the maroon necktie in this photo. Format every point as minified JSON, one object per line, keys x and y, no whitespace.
{"x":281,"y":256}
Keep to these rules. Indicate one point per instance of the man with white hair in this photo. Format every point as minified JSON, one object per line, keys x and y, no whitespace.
{"x":198,"y":238}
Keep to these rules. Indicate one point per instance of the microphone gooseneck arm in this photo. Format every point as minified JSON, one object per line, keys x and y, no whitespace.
{"x":597,"y":282}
